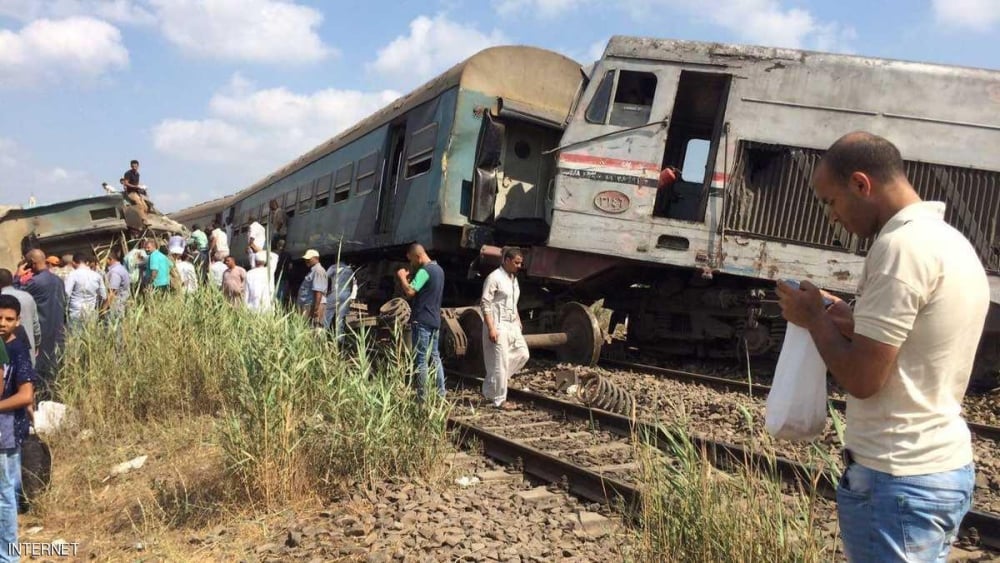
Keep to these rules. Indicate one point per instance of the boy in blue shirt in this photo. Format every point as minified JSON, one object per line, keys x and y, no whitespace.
{"x":18,"y":394}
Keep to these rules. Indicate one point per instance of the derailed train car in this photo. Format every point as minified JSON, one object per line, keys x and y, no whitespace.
{"x":469,"y":143}
{"x":746,"y":126}
{"x":518,"y":145}
{"x":77,"y":225}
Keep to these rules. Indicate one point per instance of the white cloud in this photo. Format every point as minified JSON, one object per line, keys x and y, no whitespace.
{"x":541,"y":8}
{"x":766,"y":22}
{"x":23,"y":176}
{"x":264,"y":31}
{"x":210,"y":140}
{"x":49,"y":51}
{"x":977,"y":15}
{"x":118,"y":11}
{"x":431,"y":46}
{"x":265,"y":126}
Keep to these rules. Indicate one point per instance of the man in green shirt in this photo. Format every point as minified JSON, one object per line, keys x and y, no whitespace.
{"x":157,"y":267}
{"x":199,"y":239}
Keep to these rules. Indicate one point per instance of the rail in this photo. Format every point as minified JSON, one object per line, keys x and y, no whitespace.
{"x":722,"y":455}
{"x":757,"y":389}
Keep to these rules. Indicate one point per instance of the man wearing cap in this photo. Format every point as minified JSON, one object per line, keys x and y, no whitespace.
{"x":258,"y":292}
{"x":312,"y":292}
{"x":424,"y":292}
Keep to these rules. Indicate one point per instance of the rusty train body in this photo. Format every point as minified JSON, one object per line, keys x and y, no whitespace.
{"x":521,"y":146}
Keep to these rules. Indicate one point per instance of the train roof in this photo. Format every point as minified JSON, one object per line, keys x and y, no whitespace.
{"x":710,"y":53}
{"x":509,"y":71}
{"x":209,"y":207}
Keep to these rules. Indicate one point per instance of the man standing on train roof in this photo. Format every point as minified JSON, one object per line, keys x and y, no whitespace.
{"x":424,"y":293}
{"x":312,"y":292}
{"x":904,"y":356}
{"x":134,"y":191}
{"x":504,"y":350}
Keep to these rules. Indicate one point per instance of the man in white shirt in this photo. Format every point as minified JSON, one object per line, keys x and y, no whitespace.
{"x":219,"y":241}
{"x":256,"y":241}
{"x":258,"y":291}
{"x":504,"y":350}
{"x":189,"y":276}
{"x":217,"y":269}
{"x":85,"y":291}
{"x":903,"y":355}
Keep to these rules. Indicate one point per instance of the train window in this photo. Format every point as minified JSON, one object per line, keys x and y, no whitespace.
{"x":323,"y":191}
{"x":597,"y":111}
{"x":305,"y":197}
{"x":366,"y":173}
{"x":421,"y":151}
{"x":323,"y":185}
{"x":695,"y":160}
{"x":342,"y":182}
{"x":633,"y":98}
{"x":105,"y":213}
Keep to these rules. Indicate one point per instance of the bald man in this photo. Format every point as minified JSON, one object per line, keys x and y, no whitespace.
{"x":903,"y":355}
{"x":49,"y":293}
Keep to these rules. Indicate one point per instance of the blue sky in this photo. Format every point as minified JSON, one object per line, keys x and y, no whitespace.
{"x":211,"y":95}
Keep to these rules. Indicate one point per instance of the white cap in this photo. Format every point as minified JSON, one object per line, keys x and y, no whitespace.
{"x":260,"y":257}
{"x":176,"y":250}
{"x":310,"y":254}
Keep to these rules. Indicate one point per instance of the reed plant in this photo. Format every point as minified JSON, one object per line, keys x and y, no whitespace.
{"x":295,"y":413}
{"x":692,"y":511}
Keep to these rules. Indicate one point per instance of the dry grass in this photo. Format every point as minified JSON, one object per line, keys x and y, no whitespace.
{"x":244,"y":417}
{"x":166,"y":506}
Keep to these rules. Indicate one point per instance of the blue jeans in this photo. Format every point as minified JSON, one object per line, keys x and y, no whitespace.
{"x":913,"y":518}
{"x":10,"y":482}
{"x":425,"y":342}
{"x":338,"y":308}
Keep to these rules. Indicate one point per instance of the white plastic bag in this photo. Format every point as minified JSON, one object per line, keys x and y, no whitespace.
{"x":796,"y":405}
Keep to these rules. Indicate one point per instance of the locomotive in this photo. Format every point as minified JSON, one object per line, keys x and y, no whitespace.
{"x":522,"y":146}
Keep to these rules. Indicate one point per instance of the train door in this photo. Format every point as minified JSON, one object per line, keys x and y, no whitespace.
{"x":512,"y":185}
{"x":395,"y":143}
{"x":696,"y":125}
{"x":526,"y":171}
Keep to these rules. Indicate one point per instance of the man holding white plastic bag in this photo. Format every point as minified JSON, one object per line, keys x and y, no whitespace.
{"x":905,"y":360}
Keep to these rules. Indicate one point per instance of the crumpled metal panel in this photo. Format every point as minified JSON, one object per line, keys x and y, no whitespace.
{"x":771,"y":196}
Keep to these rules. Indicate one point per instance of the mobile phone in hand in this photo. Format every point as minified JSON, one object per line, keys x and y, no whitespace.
{"x":795,"y":284}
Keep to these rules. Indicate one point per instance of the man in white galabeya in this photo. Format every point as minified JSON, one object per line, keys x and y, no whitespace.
{"x":904,"y":356}
{"x":504,"y":350}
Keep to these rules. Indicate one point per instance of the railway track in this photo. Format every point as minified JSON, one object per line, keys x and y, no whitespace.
{"x":755,"y":389}
{"x":524,"y":439}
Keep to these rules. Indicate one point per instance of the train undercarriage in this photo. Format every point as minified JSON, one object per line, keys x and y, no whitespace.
{"x":655,"y":312}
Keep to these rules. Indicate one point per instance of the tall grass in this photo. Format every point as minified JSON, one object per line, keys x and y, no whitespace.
{"x":295,"y":416}
{"x":693,"y":512}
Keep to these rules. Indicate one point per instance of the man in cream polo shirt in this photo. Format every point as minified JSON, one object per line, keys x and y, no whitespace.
{"x":904,"y":356}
